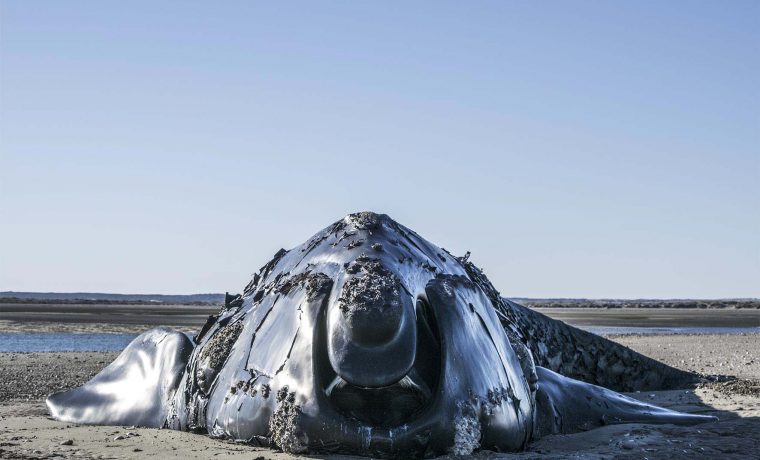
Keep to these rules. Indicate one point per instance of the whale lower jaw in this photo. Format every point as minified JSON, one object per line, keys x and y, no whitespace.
{"x":387,"y":406}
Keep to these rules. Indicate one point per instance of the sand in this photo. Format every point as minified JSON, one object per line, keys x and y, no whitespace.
{"x":33,"y":376}
{"x":26,"y":432}
{"x":727,"y":354}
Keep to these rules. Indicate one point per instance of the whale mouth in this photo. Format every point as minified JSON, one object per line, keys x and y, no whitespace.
{"x":401,"y":402}
{"x":382,"y":407}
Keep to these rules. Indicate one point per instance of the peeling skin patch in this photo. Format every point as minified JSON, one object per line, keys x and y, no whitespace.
{"x":315,"y":241}
{"x":431,"y":268}
{"x":526,"y":360}
{"x":232,"y":301}
{"x":354,"y":244}
{"x":505,"y":313}
{"x":467,"y":424}
{"x":342,"y":237}
{"x":290,"y":350}
{"x":372,"y":287}
{"x":197,"y":413}
{"x":214,"y":354}
{"x":466,"y":430}
{"x":452,"y":282}
{"x":264,"y":272}
{"x":366,"y":220}
{"x":284,"y":424}
{"x":210,"y":322}
{"x":496,"y":396}
{"x":314,"y":283}
{"x":317,"y":284}
{"x":287,"y":285}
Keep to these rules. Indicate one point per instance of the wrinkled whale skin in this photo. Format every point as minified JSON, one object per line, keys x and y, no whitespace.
{"x":367,"y":339}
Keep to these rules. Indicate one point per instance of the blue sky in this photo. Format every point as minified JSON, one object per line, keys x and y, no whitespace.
{"x":578,"y":149}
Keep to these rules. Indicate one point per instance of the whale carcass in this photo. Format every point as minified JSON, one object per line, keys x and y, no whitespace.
{"x":368,"y":339}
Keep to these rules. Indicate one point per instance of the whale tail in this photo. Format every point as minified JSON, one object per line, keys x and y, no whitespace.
{"x":135,"y":389}
{"x":564,"y":406}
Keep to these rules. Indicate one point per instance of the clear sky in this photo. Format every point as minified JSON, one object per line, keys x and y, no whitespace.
{"x":578,"y":149}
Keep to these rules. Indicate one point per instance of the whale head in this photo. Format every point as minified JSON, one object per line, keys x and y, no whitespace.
{"x":365,"y":339}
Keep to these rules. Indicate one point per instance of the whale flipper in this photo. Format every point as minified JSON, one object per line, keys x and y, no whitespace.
{"x":135,"y":389}
{"x":565,"y":405}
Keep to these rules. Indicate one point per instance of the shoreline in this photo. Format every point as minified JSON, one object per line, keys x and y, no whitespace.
{"x":100,"y":318}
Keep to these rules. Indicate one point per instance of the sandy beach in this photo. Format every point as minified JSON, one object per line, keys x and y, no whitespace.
{"x":27,"y":378}
{"x":27,"y":432}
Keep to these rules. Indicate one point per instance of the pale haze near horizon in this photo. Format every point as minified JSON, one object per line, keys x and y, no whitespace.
{"x":578,"y":149}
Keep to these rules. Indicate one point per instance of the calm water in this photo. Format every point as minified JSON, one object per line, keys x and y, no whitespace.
{"x":41,"y":342}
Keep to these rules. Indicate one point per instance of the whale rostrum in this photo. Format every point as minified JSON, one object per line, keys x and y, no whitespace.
{"x":368,"y":339}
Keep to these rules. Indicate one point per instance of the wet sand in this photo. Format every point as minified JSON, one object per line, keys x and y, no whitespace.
{"x":96,"y":318}
{"x":26,"y":432}
{"x":655,"y":317}
{"x":46,"y":317}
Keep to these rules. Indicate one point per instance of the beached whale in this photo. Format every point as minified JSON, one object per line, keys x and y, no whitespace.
{"x":368,"y":339}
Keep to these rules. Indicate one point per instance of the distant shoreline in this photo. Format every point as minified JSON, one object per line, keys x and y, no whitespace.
{"x":729,"y":304}
{"x":102,"y":297}
{"x":216,"y":300}
{"x":152,"y":303}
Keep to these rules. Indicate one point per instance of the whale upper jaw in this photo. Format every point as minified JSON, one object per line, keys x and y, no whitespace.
{"x":462,"y":367}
